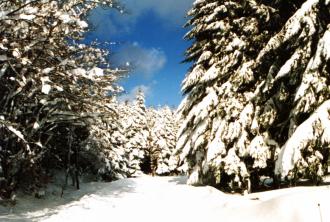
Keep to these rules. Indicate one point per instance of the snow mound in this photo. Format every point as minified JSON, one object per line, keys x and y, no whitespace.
{"x":169,"y":199}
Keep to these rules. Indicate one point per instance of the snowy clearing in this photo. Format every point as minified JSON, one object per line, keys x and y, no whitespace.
{"x":169,"y":199}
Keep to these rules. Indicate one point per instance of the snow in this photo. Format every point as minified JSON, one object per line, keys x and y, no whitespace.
{"x":219,"y":25}
{"x":45,"y":89}
{"x":287,"y":67}
{"x":169,"y":199}
{"x":16,"y":53}
{"x":3,"y":58}
{"x":193,"y":77}
{"x":216,"y":147}
{"x":300,"y":21}
{"x":205,"y":56}
{"x":96,"y":72}
{"x":291,"y":151}
{"x":323,"y":52}
{"x":16,"y":132}
{"x":259,"y":150}
{"x":64,"y":17}
{"x":82,"y":24}
{"x":211,"y":74}
{"x":27,"y":17}
{"x":47,"y":70}
{"x":198,"y":2}
{"x":3,"y":15}
{"x":234,"y":166}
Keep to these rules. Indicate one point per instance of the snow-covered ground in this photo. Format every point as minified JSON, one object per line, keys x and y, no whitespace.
{"x":169,"y":199}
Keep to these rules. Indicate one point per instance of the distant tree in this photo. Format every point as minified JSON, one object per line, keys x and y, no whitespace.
{"x":152,"y":150}
{"x":136,"y":132}
{"x":164,"y":141}
{"x":150,"y":135}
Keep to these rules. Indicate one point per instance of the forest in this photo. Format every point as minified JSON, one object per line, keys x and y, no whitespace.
{"x":256,"y":103}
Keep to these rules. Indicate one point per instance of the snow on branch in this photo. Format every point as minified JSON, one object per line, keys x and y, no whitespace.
{"x":313,"y":131}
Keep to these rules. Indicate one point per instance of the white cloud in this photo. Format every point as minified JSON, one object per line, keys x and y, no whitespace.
{"x":130,"y":96}
{"x":145,"y":61}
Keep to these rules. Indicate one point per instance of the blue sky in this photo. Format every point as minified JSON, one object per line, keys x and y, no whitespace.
{"x":149,"y":38}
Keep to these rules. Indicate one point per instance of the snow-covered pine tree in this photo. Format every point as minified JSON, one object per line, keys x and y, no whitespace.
{"x":136,"y":131}
{"x":104,"y":151}
{"x":294,"y":95}
{"x":150,"y":135}
{"x":162,"y":140}
{"x":152,"y":149}
{"x":218,"y":137}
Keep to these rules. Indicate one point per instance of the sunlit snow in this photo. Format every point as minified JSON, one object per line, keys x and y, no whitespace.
{"x":169,"y":199}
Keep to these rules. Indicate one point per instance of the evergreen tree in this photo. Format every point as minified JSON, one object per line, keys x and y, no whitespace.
{"x":163,"y":140}
{"x":219,"y":138}
{"x":294,"y":96}
{"x":150,"y":136}
{"x":104,"y":151}
{"x":136,"y":132}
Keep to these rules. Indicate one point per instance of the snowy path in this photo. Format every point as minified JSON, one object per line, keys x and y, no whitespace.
{"x":169,"y":199}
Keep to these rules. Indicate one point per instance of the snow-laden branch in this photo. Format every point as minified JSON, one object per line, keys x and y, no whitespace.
{"x":313,"y":131}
